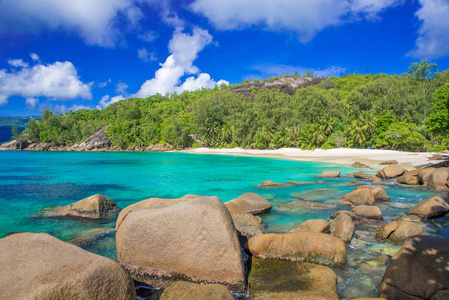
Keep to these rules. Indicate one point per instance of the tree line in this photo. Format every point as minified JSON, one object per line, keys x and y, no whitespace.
{"x":403,"y":112}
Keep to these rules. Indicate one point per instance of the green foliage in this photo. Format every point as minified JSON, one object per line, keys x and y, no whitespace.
{"x":353,"y":110}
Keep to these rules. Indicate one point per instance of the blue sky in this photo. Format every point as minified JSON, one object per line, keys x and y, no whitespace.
{"x":65,"y":55}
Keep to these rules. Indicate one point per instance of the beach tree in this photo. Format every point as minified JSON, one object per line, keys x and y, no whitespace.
{"x":438,"y":121}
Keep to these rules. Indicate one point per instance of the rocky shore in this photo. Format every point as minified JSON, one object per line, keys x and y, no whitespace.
{"x":197,"y":247}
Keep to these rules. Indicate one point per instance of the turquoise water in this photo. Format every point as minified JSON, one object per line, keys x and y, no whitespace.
{"x":31,"y":181}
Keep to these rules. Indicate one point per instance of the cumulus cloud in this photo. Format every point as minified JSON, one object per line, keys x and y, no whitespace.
{"x":34,"y":56}
{"x":433,"y":40}
{"x":108,"y":100}
{"x":18,"y":63}
{"x":31,"y":102}
{"x":62,"y":109}
{"x":104,"y":83}
{"x":146,"y":56}
{"x":184,"y":48}
{"x":96,"y":21}
{"x":59,"y":81}
{"x":305,"y":18}
{"x":280,"y":69}
{"x":121,"y":88}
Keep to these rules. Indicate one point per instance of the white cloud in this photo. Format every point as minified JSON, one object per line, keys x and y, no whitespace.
{"x":63,"y":109}
{"x":279,"y":69}
{"x":304,"y":17}
{"x":148,"y":36}
{"x":58,"y":81}
{"x":184,"y":49}
{"x":433,"y":40}
{"x":107,"y":100}
{"x":96,"y":21}
{"x":121,"y":88}
{"x":146,"y":56}
{"x":18,"y":63}
{"x":31,"y":102}
{"x":34,"y":56}
{"x":105,"y":83}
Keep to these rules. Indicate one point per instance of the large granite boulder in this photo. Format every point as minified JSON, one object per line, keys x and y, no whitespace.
{"x":315,"y":225}
{"x":18,"y":144}
{"x":408,"y":179}
{"x":392,"y":171}
{"x":419,"y":270}
{"x":362,"y":196}
{"x":247,"y":226}
{"x":434,"y":207}
{"x":424,"y":174}
{"x":379,"y":193}
{"x":274,"y":279}
{"x":94,"y":207}
{"x":342,"y":227}
{"x":398,"y":231}
{"x":299,"y":246}
{"x":193,"y":240}
{"x":153,"y":202}
{"x":368,"y":212}
{"x":183,"y":290}
{"x":362,"y":175}
{"x":96,"y":141}
{"x":438,"y":180}
{"x":354,"y":218}
{"x":39,"y":266}
{"x":329,"y":174}
{"x":251,"y":203}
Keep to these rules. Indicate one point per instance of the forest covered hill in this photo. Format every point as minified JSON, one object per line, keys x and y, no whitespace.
{"x":404,"y":112}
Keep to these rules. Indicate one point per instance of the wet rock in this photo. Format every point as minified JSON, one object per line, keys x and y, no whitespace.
{"x":424,"y":174}
{"x":342,"y":227}
{"x":434,"y":207}
{"x":398,"y":231}
{"x":270,"y":183}
{"x":192,"y":240}
{"x":379,"y":193}
{"x":362,"y":196}
{"x":274,"y":279}
{"x":315,"y":225}
{"x":183,"y":290}
{"x":362,"y":175}
{"x":418,"y":270}
{"x":377,"y":181}
{"x":368,"y":212}
{"x":410,"y":218}
{"x":389,"y":162}
{"x":39,"y":266}
{"x":392,"y":171}
{"x":354,"y":217}
{"x":247,"y":226}
{"x":94,"y":207}
{"x":306,"y":205}
{"x":408,"y":179}
{"x":384,"y":258}
{"x":299,"y":246}
{"x":330,"y":174}
{"x":90,"y":236}
{"x":359,"y":165}
{"x":153,"y":202}
{"x":251,"y":203}
{"x":438,"y":180}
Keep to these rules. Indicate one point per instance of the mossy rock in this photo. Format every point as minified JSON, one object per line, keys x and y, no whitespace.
{"x":276,"y":279}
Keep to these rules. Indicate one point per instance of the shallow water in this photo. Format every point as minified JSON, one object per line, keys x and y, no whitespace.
{"x":31,"y":181}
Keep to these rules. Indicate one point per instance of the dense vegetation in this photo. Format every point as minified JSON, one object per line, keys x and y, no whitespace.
{"x":404,"y":112}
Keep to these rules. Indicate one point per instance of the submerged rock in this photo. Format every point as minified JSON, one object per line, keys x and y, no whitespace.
{"x":317,"y":194}
{"x":419,"y":270}
{"x":274,"y":279}
{"x":342,"y":227}
{"x":398,"y":231}
{"x":434,"y":207}
{"x":315,"y":225}
{"x":90,"y":236}
{"x":270,"y":183}
{"x":183,"y":290}
{"x":39,"y":266}
{"x":299,"y":246}
{"x":368,"y":212}
{"x":192,"y":240}
{"x":329,"y":174}
{"x":392,"y":171}
{"x":251,"y":203}
{"x":306,"y":205}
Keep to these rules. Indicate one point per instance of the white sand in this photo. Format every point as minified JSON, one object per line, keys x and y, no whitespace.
{"x":345,"y":156}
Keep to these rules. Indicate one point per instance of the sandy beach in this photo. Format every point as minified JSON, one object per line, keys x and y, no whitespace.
{"x":347,"y":156}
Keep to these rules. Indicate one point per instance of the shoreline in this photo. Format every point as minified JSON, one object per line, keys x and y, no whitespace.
{"x":345,"y":156}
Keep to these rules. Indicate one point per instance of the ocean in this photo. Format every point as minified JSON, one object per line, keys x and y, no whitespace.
{"x":32,"y":181}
